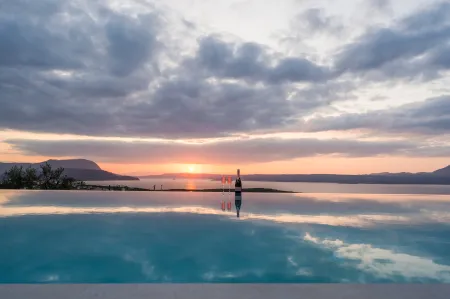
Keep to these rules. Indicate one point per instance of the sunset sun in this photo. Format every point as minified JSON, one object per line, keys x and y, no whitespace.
{"x":191,"y":169}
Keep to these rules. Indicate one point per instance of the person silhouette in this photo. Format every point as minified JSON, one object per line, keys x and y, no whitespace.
{"x":238,"y":195}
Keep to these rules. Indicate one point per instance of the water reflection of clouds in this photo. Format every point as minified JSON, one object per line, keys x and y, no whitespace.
{"x":353,"y":220}
{"x":329,"y":209}
{"x":188,"y":244}
{"x":303,"y":204}
{"x":385,"y":263}
{"x":343,"y":197}
{"x":332,"y":220}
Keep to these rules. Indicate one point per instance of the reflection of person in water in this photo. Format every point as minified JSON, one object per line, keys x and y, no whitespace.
{"x":238,"y":203}
{"x":238,"y":195}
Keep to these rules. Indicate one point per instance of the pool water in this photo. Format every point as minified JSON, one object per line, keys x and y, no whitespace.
{"x":139,"y":237}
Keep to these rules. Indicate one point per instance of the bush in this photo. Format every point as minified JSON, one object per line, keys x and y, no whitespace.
{"x":47,"y":179}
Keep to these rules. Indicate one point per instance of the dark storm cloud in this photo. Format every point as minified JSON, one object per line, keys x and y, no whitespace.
{"x":415,"y":48}
{"x":431,"y":117}
{"x":248,"y":150}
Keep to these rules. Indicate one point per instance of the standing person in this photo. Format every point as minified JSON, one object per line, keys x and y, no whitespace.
{"x":238,"y":193}
{"x":161,"y":187}
{"x":154,"y":187}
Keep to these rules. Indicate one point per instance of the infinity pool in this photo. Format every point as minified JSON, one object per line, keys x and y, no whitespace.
{"x":136,"y":237}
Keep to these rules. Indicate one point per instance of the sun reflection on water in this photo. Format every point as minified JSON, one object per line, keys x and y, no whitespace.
{"x":190,"y":185}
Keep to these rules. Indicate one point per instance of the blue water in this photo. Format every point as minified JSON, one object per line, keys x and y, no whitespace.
{"x":133,"y":237}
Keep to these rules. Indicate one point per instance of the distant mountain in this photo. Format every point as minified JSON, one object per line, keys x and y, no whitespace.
{"x":438,"y":177}
{"x":400,"y":173}
{"x":422,"y":179}
{"x":6,"y":166}
{"x":96,"y":175}
{"x":79,"y":169}
{"x":75,"y":164}
{"x":443,"y":171}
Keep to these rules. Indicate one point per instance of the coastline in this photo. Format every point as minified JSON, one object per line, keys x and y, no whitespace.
{"x":249,"y":190}
{"x":135,"y":189}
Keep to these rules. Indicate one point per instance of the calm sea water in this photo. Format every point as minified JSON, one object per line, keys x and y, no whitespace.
{"x":287,"y":186}
{"x":137,"y":237}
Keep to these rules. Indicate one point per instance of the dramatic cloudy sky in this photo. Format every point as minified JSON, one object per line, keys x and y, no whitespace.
{"x":293,"y":86}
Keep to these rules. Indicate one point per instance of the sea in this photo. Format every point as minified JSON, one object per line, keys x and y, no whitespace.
{"x":327,"y":234}
{"x":191,"y":184}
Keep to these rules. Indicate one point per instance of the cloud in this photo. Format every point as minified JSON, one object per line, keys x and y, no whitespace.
{"x":414,"y":47}
{"x":316,"y":21}
{"x":221,"y":152}
{"x":202,"y":109}
{"x":384,"y":262}
{"x":131,"y":43}
{"x":430,"y":117}
{"x":252,"y":62}
{"x":93,"y":68}
{"x":71,"y":36}
{"x":63,"y":63}
{"x":309,"y":29}
{"x":109,"y":72}
{"x":411,"y":49}
{"x":381,"y":5}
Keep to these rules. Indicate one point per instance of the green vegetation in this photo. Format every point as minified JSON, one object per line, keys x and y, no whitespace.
{"x":30,"y":178}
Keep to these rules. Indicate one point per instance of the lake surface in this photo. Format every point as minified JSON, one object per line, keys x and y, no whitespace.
{"x":138,"y":237}
{"x":191,"y":184}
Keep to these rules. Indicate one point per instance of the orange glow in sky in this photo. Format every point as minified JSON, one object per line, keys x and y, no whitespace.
{"x":310,"y":165}
{"x":307,"y":165}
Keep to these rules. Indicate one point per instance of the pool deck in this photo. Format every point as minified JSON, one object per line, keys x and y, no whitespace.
{"x":225,"y":291}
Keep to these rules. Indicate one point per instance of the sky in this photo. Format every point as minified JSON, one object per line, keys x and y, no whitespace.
{"x":292,"y":86}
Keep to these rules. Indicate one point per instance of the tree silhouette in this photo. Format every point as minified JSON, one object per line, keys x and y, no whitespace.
{"x":13,"y":178}
{"x":50,"y":179}
{"x":47,"y":178}
{"x":30,"y":177}
{"x":67,"y":183}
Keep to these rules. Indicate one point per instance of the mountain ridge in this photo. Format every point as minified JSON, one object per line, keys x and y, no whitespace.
{"x":87,"y":170}
{"x":443,"y":171}
{"x":438,"y":177}
{"x":79,"y":169}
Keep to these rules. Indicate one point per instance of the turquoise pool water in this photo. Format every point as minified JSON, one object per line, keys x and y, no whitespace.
{"x":133,"y":237}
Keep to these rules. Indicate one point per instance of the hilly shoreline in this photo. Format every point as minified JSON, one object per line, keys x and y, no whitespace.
{"x":79,"y":169}
{"x":87,"y":170}
{"x":438,"y":177}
